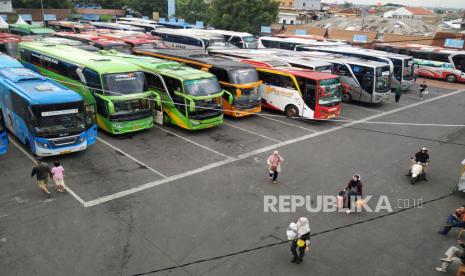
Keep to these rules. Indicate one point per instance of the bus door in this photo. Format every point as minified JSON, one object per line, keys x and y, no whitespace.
{"x":9,"y":123}
{"x":3,"y":136}
{"x":347,"y":76}
{"x":308,"y":89}
{"x":156,"y":82}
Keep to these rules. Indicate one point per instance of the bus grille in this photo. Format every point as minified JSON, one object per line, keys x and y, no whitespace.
{"x":59,"y":142}
{"x":247,"y":105}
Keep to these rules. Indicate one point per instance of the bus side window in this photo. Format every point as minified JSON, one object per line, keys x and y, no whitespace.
{"x":19,"y":107}
{"x":93,"y":80}
{"x":68,"y":69}
{"x":236,"y":41}
{"x":154,"y":82}
{"x":266,"y":78}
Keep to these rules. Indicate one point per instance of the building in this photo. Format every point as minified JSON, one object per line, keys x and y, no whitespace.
{"x":410,"y":13}
{"x":349,"y":12}
{"x":5,"y":6}
{"x":307,"y":5}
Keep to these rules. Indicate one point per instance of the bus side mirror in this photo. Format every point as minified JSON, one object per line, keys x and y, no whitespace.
{"x":238,"y":93}
{"x":267,"y":89}
{"x":80,"y":75}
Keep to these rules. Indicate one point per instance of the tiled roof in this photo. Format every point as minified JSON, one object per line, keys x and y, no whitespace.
{"x":419,"y":11}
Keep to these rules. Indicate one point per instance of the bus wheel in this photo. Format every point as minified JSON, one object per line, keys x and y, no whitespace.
{"x":451,"y":78}
{"x":346,"y":97}
{"x":166,"y":119}
{"x":291,"y":111}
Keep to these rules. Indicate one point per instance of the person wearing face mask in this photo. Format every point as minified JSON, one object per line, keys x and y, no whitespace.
{"x":301,"y":243}
{"x":353,"y":191}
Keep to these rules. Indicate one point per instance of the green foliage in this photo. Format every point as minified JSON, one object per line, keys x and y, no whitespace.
{"x":192,"y":10}
{"x":242,"y":15}
{"x":48,"y":4}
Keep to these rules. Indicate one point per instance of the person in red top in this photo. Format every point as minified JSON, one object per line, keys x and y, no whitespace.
{"x":456,"y":219}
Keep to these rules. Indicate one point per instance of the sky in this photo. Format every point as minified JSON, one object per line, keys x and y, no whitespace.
{"x":418,"y":3}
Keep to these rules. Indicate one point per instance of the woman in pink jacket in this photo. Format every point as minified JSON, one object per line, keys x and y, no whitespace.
{"x":274,"y":162}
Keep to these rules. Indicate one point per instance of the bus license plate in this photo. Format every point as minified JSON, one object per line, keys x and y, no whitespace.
{"x":331,"y":116}
{"x":65,"y":151}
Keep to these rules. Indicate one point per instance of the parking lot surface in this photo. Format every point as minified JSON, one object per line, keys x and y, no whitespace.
{"x":167,"y":197}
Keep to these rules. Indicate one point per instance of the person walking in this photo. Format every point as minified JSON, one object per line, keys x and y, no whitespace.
{"x":398,"y":93}
{"x":301,"y":242}
{"x":423,"y":87}
{"x":42,"y":173}
{"x":454,"y":254}
{"x":274,"y":163}
{"x":58,"y":176}
{"x":456,"y":219}
{"x":353,"y":191}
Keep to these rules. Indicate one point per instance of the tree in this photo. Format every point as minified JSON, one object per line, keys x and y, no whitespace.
{"x":192,"y":10}
{"x":242,"y":15}
{"x":48,"y":4}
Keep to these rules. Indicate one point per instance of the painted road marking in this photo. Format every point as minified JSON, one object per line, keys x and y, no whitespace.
{"x":195,"y":143}
{"x":71,"y":192}
{"x":251,"y":132}
{"x":289,"y":124}
{"x":149,"y":185}
{"x":131,"y":157}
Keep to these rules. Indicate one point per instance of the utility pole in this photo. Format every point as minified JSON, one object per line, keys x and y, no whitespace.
{"x":42,"y":7}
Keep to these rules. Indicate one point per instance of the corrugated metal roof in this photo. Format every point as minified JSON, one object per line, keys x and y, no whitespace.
{"x":378,"y":24}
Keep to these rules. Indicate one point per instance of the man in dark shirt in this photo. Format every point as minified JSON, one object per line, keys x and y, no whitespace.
{"x":422,"y":157}
{"x":423,"y":87}
{"x":42,"y":173}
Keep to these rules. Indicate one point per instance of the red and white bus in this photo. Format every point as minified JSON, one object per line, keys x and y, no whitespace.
{"x":432,"y":62}
{"x":298,"y":92}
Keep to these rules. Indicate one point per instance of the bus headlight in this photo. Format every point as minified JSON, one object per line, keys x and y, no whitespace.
{"x":82,"y":139}
{"x":195,"y":122}
{"x":118,"y":126}
{"x":42,"y":144}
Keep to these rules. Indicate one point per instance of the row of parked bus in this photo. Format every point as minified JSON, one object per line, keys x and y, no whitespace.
{"x":128,"y":80}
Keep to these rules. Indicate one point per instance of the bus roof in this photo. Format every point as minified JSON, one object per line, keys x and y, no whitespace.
{"x":32,"y":28}
{"x":37,"y":89}
{"x":225,"y":32}
{"x":363,"y":51}
{"x":304,"y":73}
{"x":94,"y":61}
{"x":330,"y":57}
{"x":89,"y":37}
{"x":198,"y":56}
{"x":7,"y":61}
{"x":164,"y":67}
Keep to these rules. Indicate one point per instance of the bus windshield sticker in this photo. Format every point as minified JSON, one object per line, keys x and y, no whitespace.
{"x":385,"y":73}
{"x":59,"y":112}
{"x":125,"y":77}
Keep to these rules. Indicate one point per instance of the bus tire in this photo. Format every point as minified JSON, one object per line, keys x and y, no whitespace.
{"x":451,"y":78}
{"x":346,"y":97}
{"x":291,"y":111}
{"x":166,"y":119}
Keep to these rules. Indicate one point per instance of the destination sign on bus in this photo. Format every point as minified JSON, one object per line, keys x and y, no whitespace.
{"x":59,"y":112}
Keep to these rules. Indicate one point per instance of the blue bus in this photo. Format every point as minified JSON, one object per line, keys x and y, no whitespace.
{"x":45,"y":116}
{"x":5,"y":61}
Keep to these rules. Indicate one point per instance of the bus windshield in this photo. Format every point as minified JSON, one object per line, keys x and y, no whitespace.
{"x":329,"y":92}
{"x":58,"y":118}
{"x":202,"y":87}
{"x":244,"y":76}
{"x":383,"y":83}
{"x":408,"y":69}
{"x":249,"y":39}
{"x":124,"y":83}
{"x":459,"y":62}
{"x":123,"y":107}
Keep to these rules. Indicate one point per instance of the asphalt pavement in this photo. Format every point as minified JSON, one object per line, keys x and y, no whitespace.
{"x":169,"y":198}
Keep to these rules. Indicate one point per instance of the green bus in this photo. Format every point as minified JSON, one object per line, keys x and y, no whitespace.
{"x":118,"y":90}
{"x":25,"y":29}
{"x":192,"y":98}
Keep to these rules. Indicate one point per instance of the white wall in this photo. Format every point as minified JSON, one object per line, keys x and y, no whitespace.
{"x":307,"y":4}
{"x":398,"y":13}
{"x":287,"y":18}
{"x":5,"y":6}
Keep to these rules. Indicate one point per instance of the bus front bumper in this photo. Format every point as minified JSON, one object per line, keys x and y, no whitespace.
{"x":40,"y":150}
{"x":204,"y":124}
{"x":130,"y":126}
{"x":406,"y":84}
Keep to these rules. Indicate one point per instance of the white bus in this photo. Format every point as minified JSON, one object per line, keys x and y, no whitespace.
{"x":189,"y":38}
{"x":116,"y":26}
{"x":314,"y":65}
{"x":239,"y":39}
{"x":402,"y":65}
{"x":290,"y":43}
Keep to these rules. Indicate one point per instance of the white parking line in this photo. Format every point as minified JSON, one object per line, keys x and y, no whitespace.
{"x":286,"y":123}
{"x":131,"y":157}
{"x":104,"y":199}
{"x":71,"y":192}
{"x":251,"y":132}
{"x":195,"y":143}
